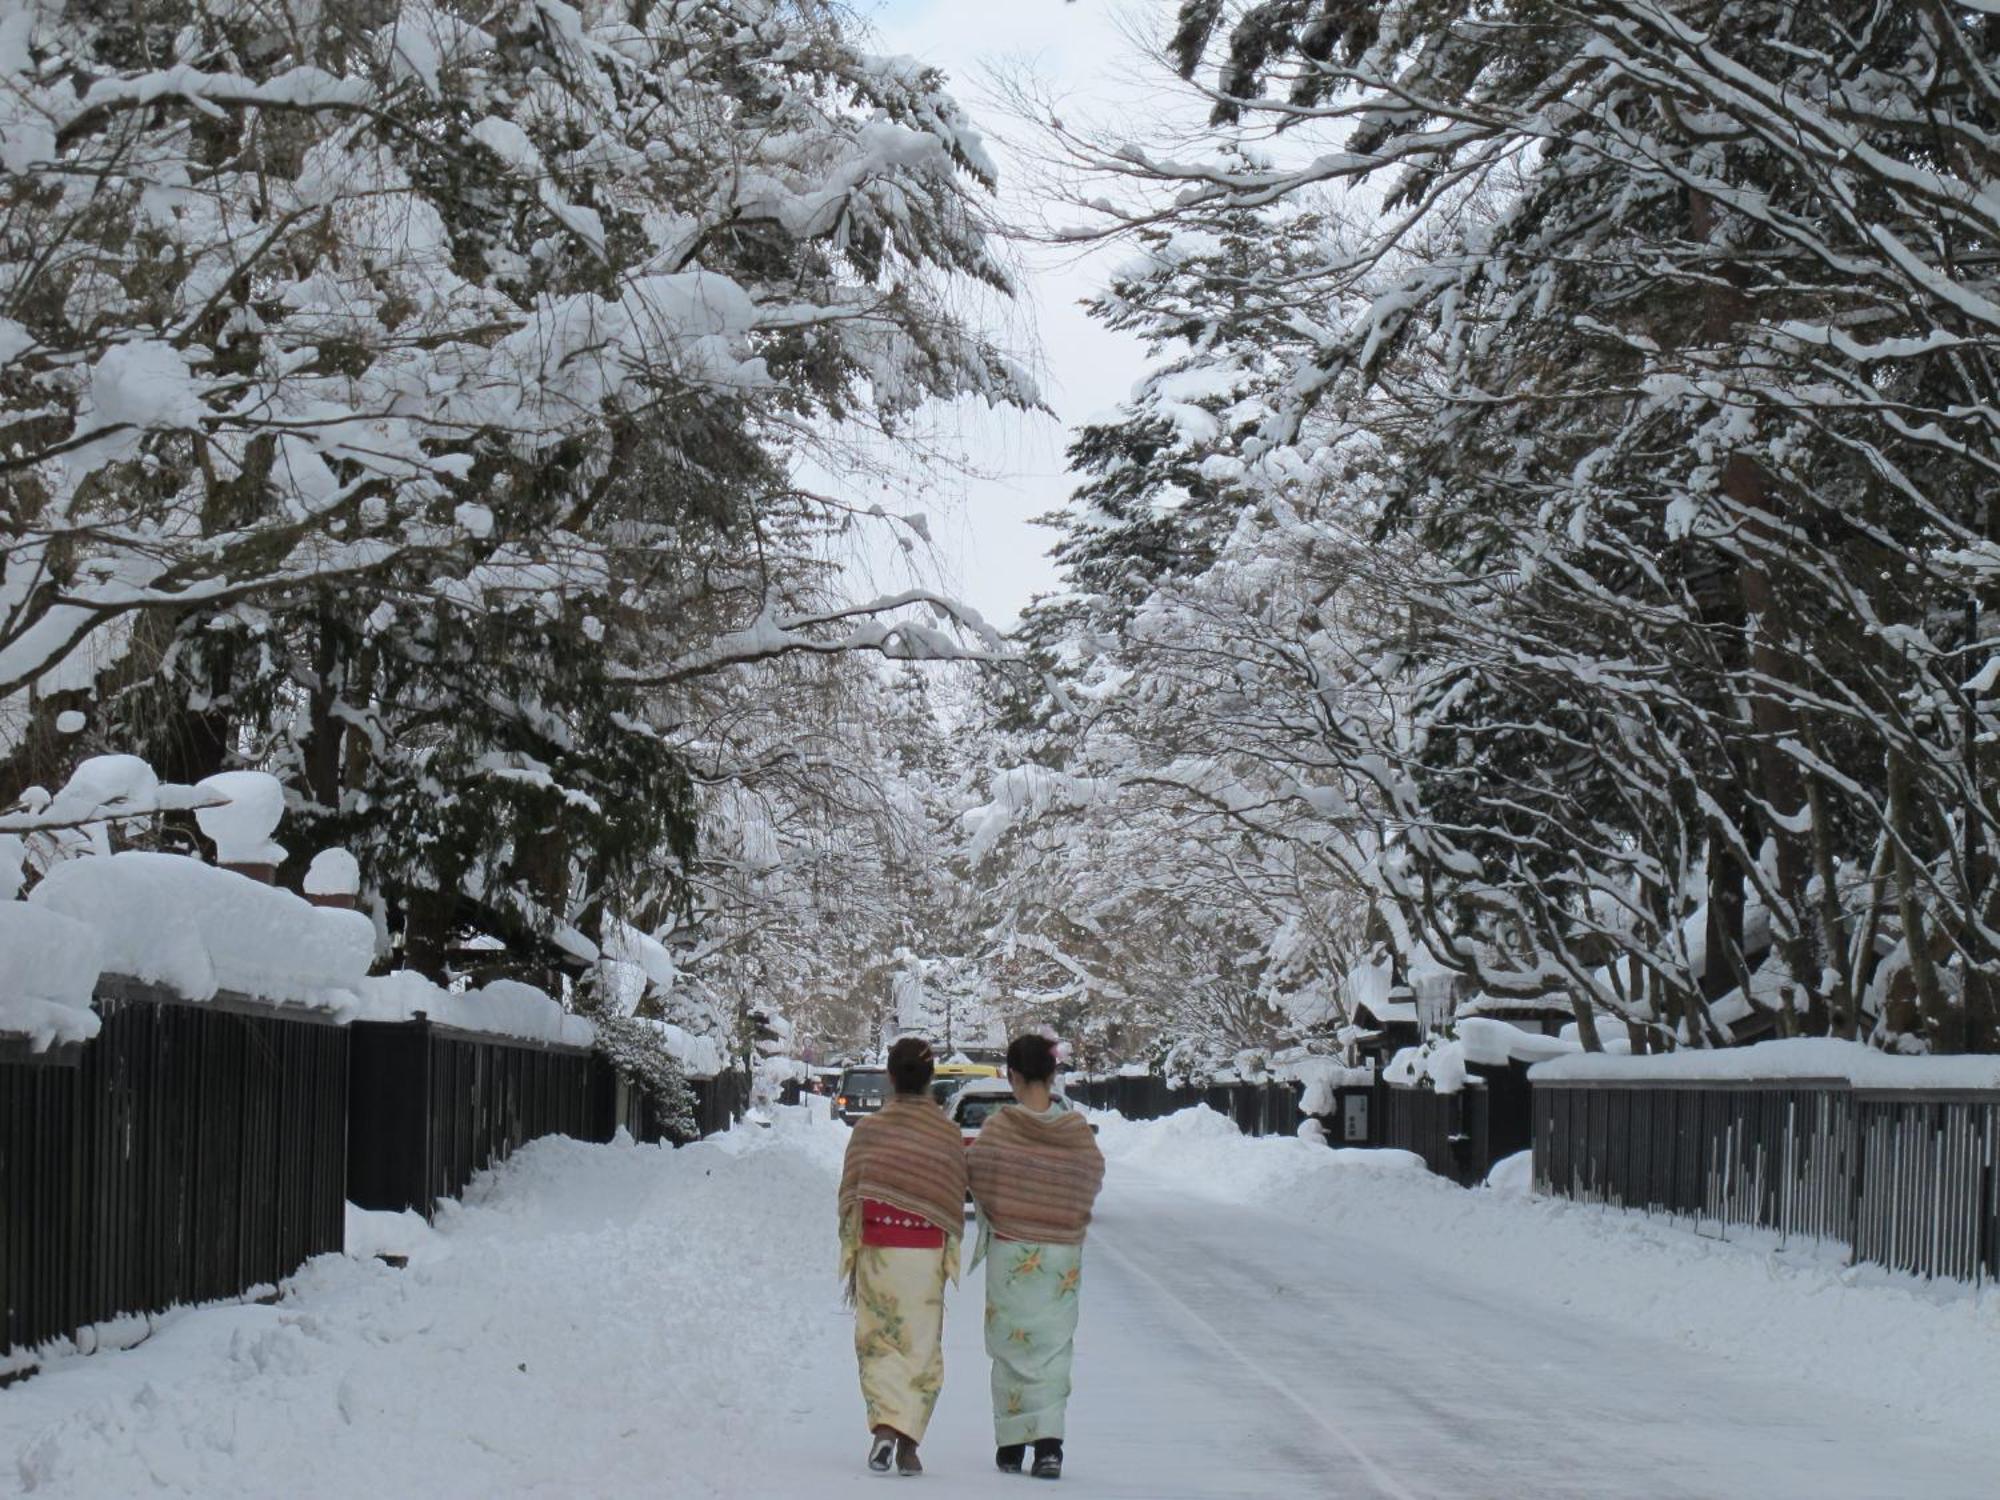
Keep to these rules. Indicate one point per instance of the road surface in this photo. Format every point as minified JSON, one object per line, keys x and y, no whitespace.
{"x":1220,"y":1356}
{"x":657,"y":1325}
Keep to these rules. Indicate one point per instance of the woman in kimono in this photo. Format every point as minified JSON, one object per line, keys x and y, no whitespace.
{"x":902,"y":1211}
{"x":1035,"y":1171}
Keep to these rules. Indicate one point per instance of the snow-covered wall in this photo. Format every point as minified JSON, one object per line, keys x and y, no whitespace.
{"x":1795,"y":1058}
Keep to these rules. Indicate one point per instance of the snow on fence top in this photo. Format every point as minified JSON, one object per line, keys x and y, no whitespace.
{"x":174,"y":921}
{"x":197,"y":930}
{"x":1862,"y":1066}
{"x":505,"y":1008}
{"x":48,"y":973}
{"x":1321,"y":1076}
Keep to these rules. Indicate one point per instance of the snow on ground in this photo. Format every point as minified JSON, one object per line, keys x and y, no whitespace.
{"x":1930,"y":1351}
{"x":593,"y":1320}
{"x":1261,"y":1318}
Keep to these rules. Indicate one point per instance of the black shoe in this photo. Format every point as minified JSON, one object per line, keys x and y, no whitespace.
{"x":881,"y":1453}
{"x":1048,"y":1458}
{"x":1009,"y":1458}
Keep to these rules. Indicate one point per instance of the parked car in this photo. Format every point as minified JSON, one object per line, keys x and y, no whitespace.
{"x":978,"y":1099}
{"x":975,"y":1101}
{"x":861,"y":1092}
{"x":953,"y":1076}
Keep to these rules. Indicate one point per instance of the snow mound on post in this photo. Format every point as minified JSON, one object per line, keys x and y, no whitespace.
{"x":241,"y":826}
{"x":1854,"y":1063}
{"x":48,"y":974}
{"x":334,"y":872}
{"x":169,"y":920}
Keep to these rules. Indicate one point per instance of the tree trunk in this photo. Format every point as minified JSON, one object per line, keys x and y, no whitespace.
{"x":1943,"y":1023}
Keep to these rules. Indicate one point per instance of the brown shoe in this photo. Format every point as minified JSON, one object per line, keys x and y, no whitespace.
{"x":907,"y":1461}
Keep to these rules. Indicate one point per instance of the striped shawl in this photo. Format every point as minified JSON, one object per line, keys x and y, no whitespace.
{"x":910,"y":1156}
{"x":1036,"y":1179}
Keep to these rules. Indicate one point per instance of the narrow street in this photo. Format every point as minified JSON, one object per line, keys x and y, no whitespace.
{"x":1230,"y":1353}
{"x":631,"y":1321}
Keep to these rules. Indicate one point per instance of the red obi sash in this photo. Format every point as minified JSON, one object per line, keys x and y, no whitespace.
{"x":896,"y":1229}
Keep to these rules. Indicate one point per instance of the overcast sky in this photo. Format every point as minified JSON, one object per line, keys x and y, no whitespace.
{"x":986,"y":552}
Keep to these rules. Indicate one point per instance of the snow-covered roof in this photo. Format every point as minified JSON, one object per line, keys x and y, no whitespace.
{"x":1389,"y":1012}
{"x":1483,"y":1004}
{"x":988,"y":1086}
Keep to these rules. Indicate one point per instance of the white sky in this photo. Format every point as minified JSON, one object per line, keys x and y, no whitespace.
{"x":986,"y":552}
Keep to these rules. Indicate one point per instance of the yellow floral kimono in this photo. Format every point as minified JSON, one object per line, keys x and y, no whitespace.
{"x":898,"y":1332}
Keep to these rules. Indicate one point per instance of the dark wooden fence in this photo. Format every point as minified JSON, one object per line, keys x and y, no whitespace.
{"x":193,"y":1153}
{"x":1906,"y":1180}
{"x":431,"y":1106}
{"x":1459,"y":1135}
{"x":1257,"y":1108}
{"x":187,"y":1153}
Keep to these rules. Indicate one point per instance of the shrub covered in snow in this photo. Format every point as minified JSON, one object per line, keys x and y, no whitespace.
{"x":641,"y":1052}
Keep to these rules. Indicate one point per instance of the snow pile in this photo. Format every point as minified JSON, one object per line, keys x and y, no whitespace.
{"x":373,"y":1231}
{"x":1479,"y":1042}
{"x":48,"y":974}
{"x":1797,"y":1058}
{"x":1204,"y":1151}
{"x":173,"y":921}
{"x":504,"y":1008}
{"x":103,"y":788}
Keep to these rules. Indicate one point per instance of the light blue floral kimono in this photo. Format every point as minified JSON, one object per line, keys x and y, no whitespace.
{"x":1031,"y":1311}
{"x":1031,"y":1308}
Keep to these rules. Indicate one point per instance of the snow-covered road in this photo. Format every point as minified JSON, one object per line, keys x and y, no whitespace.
{"x":1261,"y":1318}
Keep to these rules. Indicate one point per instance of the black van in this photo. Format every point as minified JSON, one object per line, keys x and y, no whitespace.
{"x":861,"y":1092}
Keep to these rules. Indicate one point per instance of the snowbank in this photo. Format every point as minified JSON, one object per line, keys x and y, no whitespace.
{"x":1795,"y":1058}
{"x":504,"y":1008}
{"x":173,"y":921}
{"x":530,"y":1347}
{"x":1204,"y":1151}
{"x":48,"y":972}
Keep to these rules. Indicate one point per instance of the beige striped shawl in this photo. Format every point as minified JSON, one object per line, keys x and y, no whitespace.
{"x":910,"y":1156}
{"x":1036,"y":1179}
